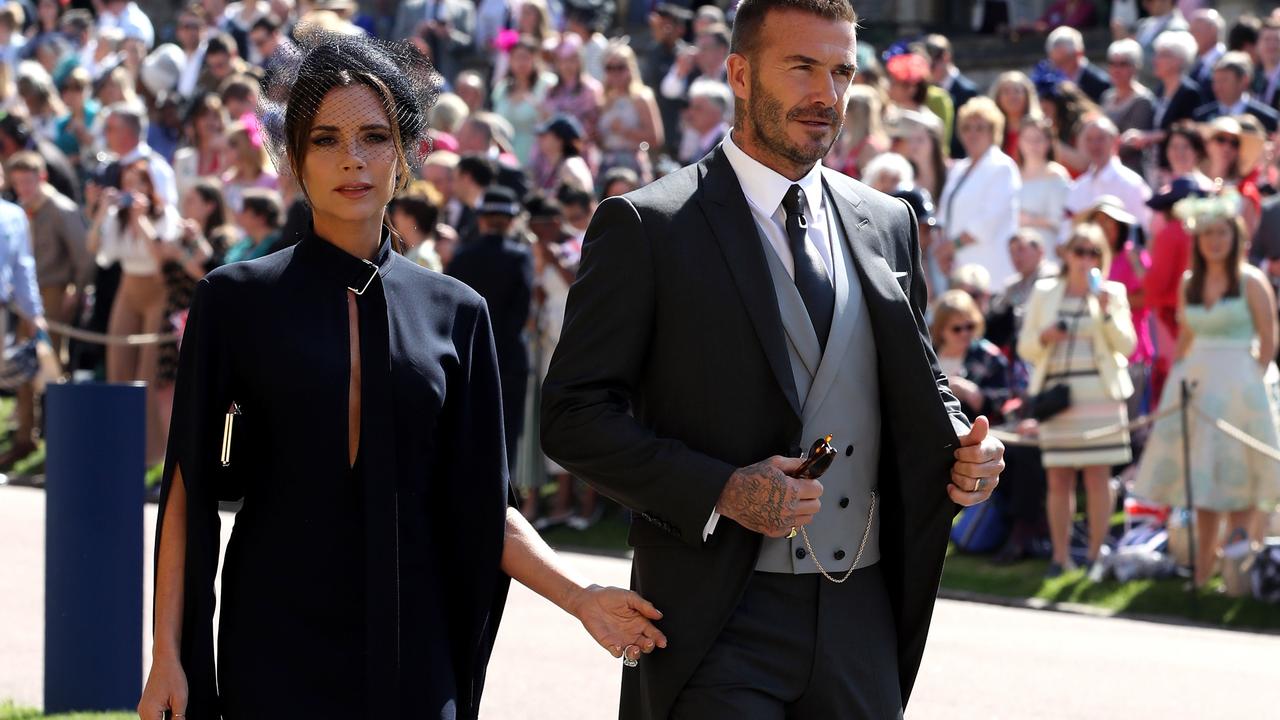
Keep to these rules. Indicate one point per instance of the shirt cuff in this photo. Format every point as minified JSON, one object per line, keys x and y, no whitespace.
{"x":711,"y":525}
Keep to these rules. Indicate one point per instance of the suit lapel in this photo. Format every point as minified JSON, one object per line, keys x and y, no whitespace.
{"x":879,"y":288}
{"x":734,"y":228}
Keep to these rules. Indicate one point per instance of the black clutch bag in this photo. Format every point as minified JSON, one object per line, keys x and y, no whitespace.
{"x":1054,"y":399}
{"x":1050,"y":402}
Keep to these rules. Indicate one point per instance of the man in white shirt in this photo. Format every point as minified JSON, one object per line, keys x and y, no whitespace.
{"x":126,"y":15}
{"x":190,"y":34}
{"x":706,"y":60}
{"x":123,"y":130}
{"x":11,"y":38}
{"x":1106,"y":174}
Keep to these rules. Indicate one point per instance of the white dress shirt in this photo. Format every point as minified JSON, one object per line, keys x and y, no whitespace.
{"x":764,"y":189}
{"x":1112,"y":179}
{"x":1240,"y":108}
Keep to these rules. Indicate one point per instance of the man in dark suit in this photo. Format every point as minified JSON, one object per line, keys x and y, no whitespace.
{"x":731,"y":312}
{"x":1231,"y":79}
{"x":668,"y":24}
{"x":499,"y":266}
{"x":704,"y":121}
{"x":1065,"y":48}
{"x":446,"y":26}
{"x":947,"y":76}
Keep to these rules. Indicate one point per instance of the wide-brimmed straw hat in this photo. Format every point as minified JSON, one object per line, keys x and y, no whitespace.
{"x":1247,"y":130}
{"x":1109,"y":205}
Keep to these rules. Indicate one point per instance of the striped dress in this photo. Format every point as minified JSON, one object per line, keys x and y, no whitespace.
{"x":1091,"y":407}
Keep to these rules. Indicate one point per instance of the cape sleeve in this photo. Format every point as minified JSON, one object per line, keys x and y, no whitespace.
{"x":473,"y":471}
{"x":202,"y":397}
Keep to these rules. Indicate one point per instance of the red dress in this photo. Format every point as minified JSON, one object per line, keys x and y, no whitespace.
{"x":1170,"y":257}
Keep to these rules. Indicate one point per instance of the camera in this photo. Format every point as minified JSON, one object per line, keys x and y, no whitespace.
{"x":126,"y":201}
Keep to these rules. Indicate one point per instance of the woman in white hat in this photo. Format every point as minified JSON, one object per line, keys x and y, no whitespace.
{"x":1129,"y":265}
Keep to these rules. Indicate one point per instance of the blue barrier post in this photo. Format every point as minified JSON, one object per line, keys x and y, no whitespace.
{"x":96,"y":442}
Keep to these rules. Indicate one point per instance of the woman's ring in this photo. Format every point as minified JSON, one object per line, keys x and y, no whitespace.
{"x":627,"y":660}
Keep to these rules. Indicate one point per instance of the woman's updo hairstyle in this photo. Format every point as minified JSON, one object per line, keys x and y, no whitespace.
{"x":319,"y":61}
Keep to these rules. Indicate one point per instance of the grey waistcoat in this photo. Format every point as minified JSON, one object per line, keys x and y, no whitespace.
{"x":840,"y":396}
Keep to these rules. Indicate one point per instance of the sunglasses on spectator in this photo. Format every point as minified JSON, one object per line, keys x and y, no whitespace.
{"x":965,"y":328}
{"x":615,"y":68}
{"x":1227,"y":140}
{"x":1081,"y":251}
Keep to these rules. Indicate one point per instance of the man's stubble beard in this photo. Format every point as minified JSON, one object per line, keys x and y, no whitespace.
{"x":768,"y":124}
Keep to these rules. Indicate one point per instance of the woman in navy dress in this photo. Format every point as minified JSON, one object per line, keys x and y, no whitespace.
{"x":350,"y":399}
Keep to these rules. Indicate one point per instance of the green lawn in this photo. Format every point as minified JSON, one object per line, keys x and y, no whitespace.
{"x":9,"y":711}
{"x":1160,"y":598}
{"x":1023,"y":580}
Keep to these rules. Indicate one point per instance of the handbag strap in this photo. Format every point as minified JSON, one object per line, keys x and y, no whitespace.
{"x":1071,"y":342}
{"x":951,"y":200}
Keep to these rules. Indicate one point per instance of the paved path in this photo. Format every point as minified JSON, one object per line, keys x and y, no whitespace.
{"x":983,"y":662}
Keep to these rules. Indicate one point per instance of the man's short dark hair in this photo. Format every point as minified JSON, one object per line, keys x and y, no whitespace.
{"x":1244,"y":32}
{"x":478,"y":168}
{"x":16,"y":128}
{"x":570,"y":196}
{"x":220,"y":44}
{"x":424,"y":212}
{"x":751,"y":15}
{"x":269,"y":23}
{"x":265,"y":204}
{"x":677,"y":14}
{"x":541,"y":206}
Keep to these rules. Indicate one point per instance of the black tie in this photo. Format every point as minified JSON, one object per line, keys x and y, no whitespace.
{"x":811,"y":275}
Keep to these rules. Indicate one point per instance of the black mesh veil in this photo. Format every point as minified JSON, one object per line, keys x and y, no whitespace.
{"x":303,"y":74}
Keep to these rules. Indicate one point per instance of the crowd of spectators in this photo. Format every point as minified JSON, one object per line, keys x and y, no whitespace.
{"x":136,"y":156}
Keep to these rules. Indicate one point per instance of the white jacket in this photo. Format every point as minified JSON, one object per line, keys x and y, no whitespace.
{"x":1113,"y":339}
{"x":985,"y":205}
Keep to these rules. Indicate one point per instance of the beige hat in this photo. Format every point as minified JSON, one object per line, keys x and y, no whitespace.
{"x":1248,"y":130}
{"x":1109,"y":205}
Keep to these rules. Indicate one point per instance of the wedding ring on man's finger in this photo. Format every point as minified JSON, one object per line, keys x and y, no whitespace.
{"x":977,"y":485}
{"x":793,"y":532}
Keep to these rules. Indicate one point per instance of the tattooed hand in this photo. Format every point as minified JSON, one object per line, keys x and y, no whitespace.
{"x":765,"y":499}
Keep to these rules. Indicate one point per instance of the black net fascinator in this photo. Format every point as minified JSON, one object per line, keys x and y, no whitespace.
{"x":304,"y":72}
